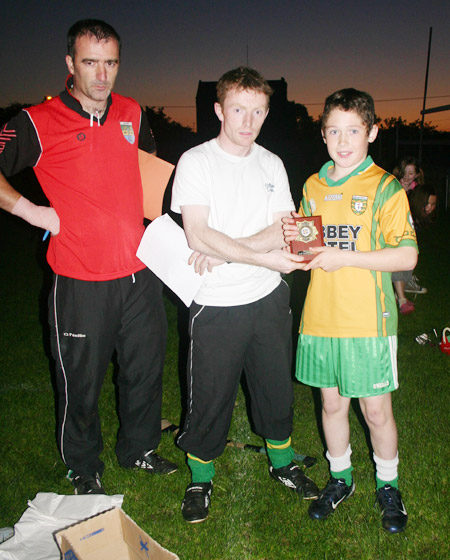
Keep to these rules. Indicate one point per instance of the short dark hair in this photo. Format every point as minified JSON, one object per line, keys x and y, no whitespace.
{"x":350,"y":99}
{"x":97,"y":28}
{"x":242,"y":78}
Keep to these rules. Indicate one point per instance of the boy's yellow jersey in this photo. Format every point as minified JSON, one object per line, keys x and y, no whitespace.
{"x":365,"y":211}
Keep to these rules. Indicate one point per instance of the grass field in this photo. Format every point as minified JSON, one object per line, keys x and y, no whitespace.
{"x":252,"y":516}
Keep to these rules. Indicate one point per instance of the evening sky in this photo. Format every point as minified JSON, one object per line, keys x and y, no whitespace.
{"x":169,"y":45}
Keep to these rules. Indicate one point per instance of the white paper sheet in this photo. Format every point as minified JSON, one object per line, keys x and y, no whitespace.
{"x":48,"y":512}
{"x":165,"y":251}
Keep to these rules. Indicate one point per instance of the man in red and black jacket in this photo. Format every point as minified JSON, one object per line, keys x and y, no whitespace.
{"x":83,"y":146}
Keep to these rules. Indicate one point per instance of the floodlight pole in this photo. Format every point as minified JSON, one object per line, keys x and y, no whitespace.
{"x":425,"y":96}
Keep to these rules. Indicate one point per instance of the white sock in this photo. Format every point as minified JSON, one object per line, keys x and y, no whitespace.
{"x":386,"y":468}
{"x":338,"y":464}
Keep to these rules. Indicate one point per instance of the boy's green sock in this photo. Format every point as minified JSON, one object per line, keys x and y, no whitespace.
{"x":280,"y":453}
{"x":341,"y":467}
{"x":201,"y":471}
{"x":388,"y":470}
{"x":382,"y":483}
{"x":346,"y":474}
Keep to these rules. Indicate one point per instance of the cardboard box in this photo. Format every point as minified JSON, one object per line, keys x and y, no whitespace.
{"x":110,"y":535}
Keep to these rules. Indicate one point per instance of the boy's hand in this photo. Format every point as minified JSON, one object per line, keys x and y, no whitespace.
{"x":328,"y":259}
{"x":290,"y":230}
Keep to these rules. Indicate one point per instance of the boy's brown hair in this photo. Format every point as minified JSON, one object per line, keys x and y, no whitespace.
{"x":242,"y":78}
{"x":350,"y":99}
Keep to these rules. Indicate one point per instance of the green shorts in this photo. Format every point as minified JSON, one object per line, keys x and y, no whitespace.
{"x":359,"y":367}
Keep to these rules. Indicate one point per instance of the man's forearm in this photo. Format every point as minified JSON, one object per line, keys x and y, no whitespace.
{"x":8,"y":194}
{"x":12,"y":201}
{"x":218,"y":245}
{"x":267,"y":239}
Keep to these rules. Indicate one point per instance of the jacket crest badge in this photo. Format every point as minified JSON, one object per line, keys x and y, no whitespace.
{"x":128,"y":132}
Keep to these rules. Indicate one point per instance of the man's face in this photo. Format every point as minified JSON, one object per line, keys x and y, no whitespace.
{"x":242,"y":116}
{"x":347,"y":141}
{"x":94,"y":69}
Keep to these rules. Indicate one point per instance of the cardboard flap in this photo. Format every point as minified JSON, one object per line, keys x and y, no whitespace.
{"x":110,"y":535}
{"x":155,"y":174}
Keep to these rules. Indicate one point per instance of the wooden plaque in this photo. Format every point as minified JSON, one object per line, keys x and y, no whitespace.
{"x":310,"y":234}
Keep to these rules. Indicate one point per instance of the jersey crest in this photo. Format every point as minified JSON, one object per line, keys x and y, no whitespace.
{"x":359,"y":204}
{"x":128,"y":132}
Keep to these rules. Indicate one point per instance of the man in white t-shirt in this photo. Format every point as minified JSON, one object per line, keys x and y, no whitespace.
{"x":232,"y":194}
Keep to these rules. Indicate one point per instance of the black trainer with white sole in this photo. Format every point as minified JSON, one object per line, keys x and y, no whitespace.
{"x":197,"y":498}
{"x":334,"y":493}
{"x":89,"y":484}
{"x":293,"y":477}
{"x":151,"y":462}
{"x":394,"y":517}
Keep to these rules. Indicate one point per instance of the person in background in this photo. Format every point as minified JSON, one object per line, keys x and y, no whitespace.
{"x":83,"y":146}
{"x":423,"y":203}
{"x":410,"y":175}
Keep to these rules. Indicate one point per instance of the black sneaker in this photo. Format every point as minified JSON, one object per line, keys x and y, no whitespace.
{"x":90,"y":484}
{"x":335,"y":492}
{"x":293,"y":477}
{"x":151,"y":462}
{"x":196,"y":501}
{"x":394,"y":516}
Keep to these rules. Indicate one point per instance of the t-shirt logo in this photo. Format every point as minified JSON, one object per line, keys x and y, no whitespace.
{"x":359,"y":204}
{"x":127,"y":131}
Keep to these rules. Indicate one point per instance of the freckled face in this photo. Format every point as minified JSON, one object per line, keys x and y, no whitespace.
{"x":347,"y":141}
{"x":242,"y":116}
{"x":94,"y":68}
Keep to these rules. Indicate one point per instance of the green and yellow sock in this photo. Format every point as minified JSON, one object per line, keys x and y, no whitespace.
{"x":201,"y":471}
{"x":280,"y":453}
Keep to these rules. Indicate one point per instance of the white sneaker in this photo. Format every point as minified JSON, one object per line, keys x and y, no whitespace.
{"x":413,"y":287}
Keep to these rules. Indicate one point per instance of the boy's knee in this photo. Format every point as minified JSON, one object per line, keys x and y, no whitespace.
{"x":378,"y":416}
{"x":333,"y":406}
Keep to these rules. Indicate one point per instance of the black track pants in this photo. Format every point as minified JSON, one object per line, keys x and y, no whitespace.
{"x":225,"y":341}
{"x":89,"y":320}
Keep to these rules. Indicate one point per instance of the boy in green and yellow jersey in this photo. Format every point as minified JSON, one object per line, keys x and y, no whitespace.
{"x":348,"y":330}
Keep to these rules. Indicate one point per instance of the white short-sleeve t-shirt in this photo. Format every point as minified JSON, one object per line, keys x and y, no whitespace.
{"x":242,"y":194}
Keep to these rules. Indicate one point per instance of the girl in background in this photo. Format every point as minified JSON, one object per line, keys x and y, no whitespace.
{"x":410,"y":175}
{"x":423,"y":202}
